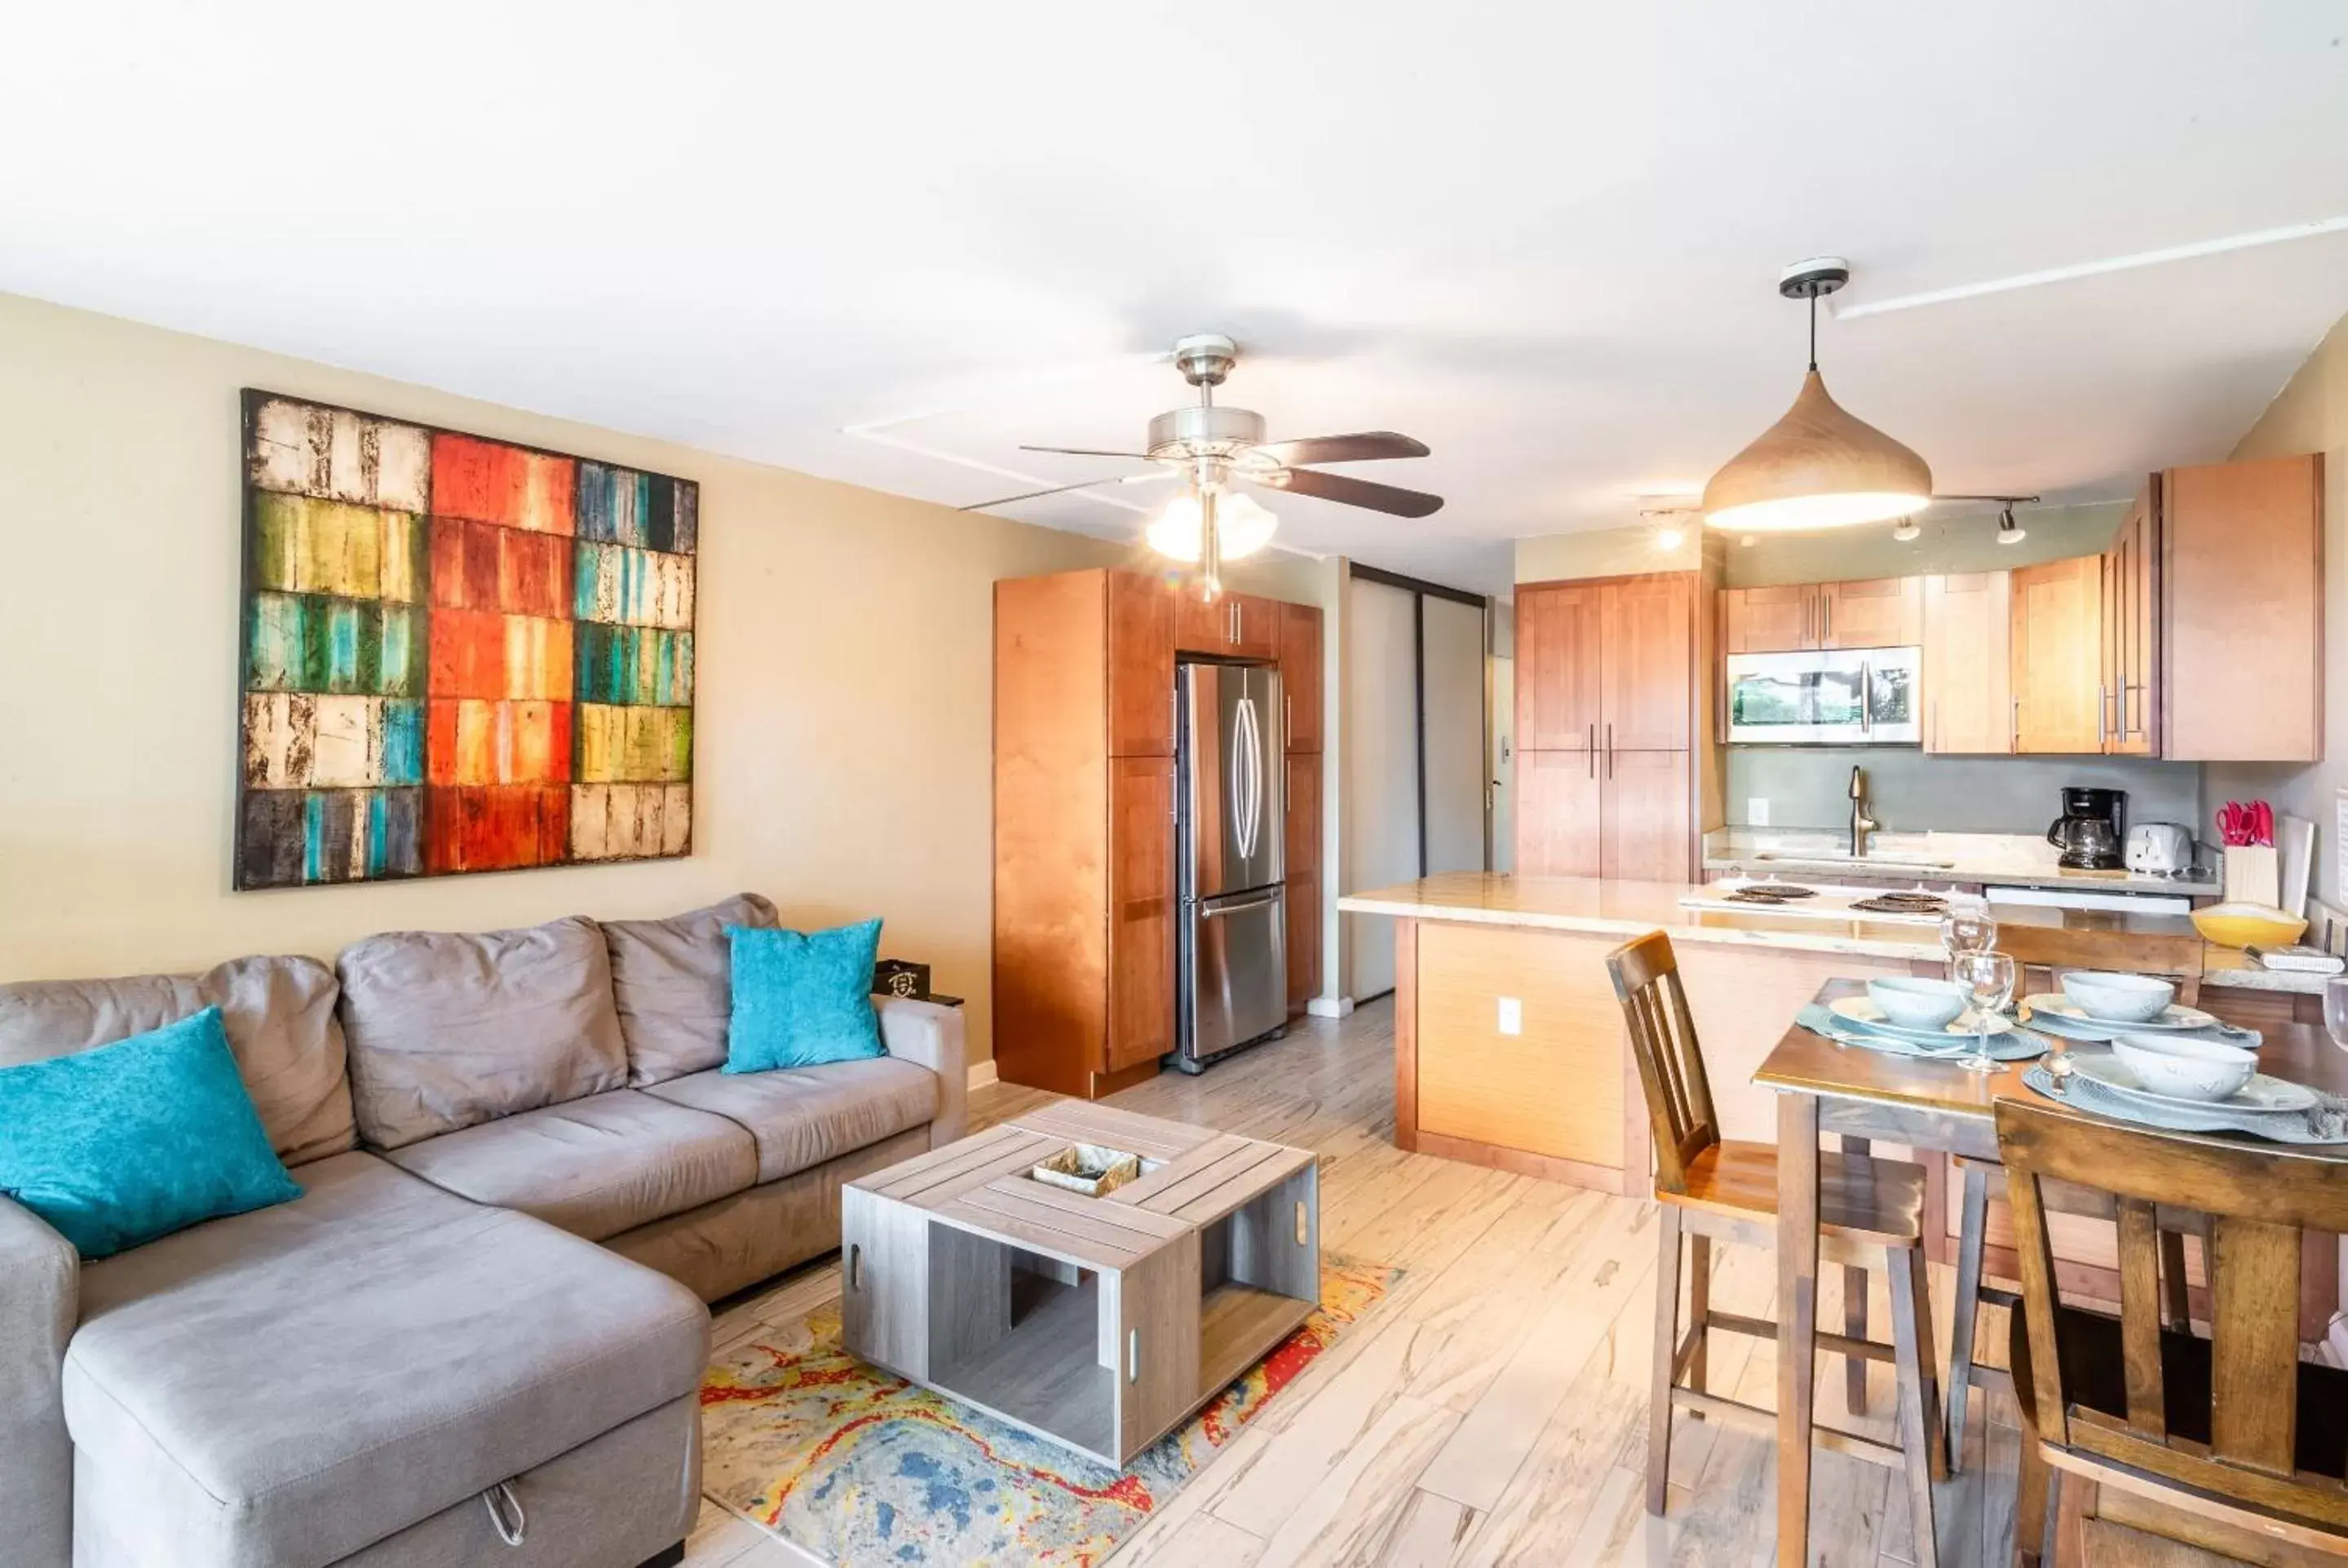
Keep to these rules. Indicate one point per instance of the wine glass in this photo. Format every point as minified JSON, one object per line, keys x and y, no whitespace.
{"x":1988,"y":978}
{"x":2336,"y":1010}
{"x":1967,"y":927}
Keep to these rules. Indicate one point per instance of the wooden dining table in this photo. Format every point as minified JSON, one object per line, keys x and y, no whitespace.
{"x":1865,"y":1095}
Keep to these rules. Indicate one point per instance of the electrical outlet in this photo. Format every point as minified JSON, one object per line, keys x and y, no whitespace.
{"x":1757,"y":811}
{"x":1513,"y":1015}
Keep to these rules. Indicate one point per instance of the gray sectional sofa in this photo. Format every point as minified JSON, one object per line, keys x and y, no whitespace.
{"x":478,"y":1338}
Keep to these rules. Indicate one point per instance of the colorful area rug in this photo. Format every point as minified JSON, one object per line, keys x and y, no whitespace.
{"x":860,"y":1468}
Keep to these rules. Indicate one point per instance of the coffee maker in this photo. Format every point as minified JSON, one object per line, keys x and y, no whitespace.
{"x":2091,"y":829}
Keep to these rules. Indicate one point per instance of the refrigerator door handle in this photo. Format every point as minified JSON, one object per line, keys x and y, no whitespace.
{"x":1247,"y":780}
{"x":1255,"y":901}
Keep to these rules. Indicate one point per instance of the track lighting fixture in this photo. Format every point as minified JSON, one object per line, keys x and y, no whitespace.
{"x":2009,"y":532}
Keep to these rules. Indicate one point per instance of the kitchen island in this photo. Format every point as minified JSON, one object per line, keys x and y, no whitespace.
{"x":1508,"y":1045}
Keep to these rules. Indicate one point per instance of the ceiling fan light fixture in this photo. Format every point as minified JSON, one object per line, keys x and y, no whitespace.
{"x":1242,"y":527}
{"x":1820,"y":466}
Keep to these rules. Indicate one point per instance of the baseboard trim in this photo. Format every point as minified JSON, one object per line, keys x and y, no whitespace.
{"x":981,"y":1074}
{"x":1330,"y":1007}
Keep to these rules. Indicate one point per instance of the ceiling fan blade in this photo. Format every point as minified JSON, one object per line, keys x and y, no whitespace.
{"x":1359,"y":448}
{"x":1031,"y":495}
{"x":1089,"y":452}
{"x":1350,"y":492}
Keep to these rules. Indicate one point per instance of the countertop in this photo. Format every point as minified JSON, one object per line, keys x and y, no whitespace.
{"x":1603,"y":906}
{"x":2021,"y":858}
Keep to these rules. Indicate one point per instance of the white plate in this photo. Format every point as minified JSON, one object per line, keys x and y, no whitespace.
{"x":2260,"y":1096}
{"x":1865,"y":1012}
{"x":2175,"y":1018}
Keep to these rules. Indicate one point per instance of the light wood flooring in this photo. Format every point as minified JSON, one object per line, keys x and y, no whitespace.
{"x":1492,"y":1408}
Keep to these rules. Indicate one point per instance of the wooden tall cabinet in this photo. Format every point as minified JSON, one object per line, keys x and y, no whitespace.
{"x":1606,"y":703}
{"x":1085,"y":906}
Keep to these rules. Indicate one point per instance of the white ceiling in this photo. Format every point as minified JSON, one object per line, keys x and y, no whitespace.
{"x":1542,"y":237}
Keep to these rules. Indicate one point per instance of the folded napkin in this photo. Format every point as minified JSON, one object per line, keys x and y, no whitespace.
{"x":2012,"y":1045}
{"x":2326,"y":1124}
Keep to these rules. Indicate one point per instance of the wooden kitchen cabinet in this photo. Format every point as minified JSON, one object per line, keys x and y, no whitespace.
{"x":1300,"y":673}
{"x":1085,"y":909}
{"x":1301,"y":848}
{"x":1560,"y":814}
{"x":1879,"y":612}
{"x":1783,"y":619}
{"x":1141,"y":910}
{"x":1968,"y":663}
{"x":1648,"y":663}
{"x":1646,"y":813}
{"x":2131,"y":629}
{"x":1561,"y":681}
{"x":2057,"y":657}
{"x":1606,"y":698}
{"x":2241,"y":626}
{"x":1141,"y":612}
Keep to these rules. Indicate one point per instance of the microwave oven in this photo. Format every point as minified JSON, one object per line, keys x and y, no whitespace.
{"x":1831,"y":697}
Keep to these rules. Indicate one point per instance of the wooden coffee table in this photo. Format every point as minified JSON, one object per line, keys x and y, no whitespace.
{"x":1096,"y":1322}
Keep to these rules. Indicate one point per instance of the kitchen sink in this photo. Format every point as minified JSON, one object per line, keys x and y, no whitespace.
{"x":1838,"y":857}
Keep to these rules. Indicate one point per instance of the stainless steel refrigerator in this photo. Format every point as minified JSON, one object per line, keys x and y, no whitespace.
{"x":1231,"y":981}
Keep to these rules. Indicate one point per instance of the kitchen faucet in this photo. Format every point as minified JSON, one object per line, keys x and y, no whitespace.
{"x":1862,"y":825}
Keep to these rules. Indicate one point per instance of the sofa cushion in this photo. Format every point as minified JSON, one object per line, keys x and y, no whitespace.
{"x":280,"y":1017}
{"x":673,"y":982}
{"x":122,"y":1143}
{"x":596,"y":1166}
{"x":802,"y":1116}
{"x":449,"y":1029}
{"x":287,"y":1385}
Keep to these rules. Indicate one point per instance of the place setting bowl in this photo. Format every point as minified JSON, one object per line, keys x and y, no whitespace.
{"x":2099,"y":1005}
{"x":2186,"y":1071}
{"x":1930,"y":1017}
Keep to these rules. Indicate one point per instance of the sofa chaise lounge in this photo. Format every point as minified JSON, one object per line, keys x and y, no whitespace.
{"x":477,"y":1336}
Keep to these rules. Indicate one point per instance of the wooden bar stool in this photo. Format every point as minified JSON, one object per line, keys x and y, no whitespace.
{"x":2039,"y":951}
{"x":1870,"y":1216}
{"x":2235,"y":1430}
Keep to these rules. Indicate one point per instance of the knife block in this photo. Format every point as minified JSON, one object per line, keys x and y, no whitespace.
{"x":2254,"y":875}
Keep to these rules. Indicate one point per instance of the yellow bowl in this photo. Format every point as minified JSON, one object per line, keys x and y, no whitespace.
{"x":2246,"y":925}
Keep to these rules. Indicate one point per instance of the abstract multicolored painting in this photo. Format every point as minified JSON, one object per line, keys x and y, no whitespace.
{"x":458,"y":654}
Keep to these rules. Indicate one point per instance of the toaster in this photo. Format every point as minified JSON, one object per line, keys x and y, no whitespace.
{"x":2159,"y":849}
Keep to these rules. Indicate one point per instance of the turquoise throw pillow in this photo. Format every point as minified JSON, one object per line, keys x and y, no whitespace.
{"x":802,"y":1000}
{"x":120,"y":1145}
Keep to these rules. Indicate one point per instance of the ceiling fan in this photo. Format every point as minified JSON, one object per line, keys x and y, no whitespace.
{"x":1215,"y":447}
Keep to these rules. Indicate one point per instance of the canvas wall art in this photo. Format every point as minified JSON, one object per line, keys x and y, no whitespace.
{"x":460,"y":654}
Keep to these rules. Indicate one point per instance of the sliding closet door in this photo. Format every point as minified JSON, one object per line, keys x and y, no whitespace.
{"x":1381,"y":821}
{"x":1452,"y":666}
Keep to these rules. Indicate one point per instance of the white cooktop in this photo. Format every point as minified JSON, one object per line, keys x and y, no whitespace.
{"x":1829,"y":901}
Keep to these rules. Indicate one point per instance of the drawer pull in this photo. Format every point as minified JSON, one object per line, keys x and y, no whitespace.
{"x":855,"y":1267}
{"x":1303,"y":1225}
{"x":1133,"y":1355}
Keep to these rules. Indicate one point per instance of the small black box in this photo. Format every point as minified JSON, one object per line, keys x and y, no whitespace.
{"x":900,"y":978}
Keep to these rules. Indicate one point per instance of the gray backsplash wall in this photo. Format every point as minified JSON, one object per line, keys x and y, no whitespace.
{"x":1808,"y":786}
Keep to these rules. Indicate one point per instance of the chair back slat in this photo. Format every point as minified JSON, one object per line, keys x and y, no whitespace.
{"x":2040,"y":951}
{"x":2254,"y":1344}
{"x":2260,"y":1202}
{"x":1671,"y":1061}
{"x":2140,"y":1238}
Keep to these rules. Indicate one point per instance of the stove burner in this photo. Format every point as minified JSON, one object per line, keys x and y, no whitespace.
{"x":1903,"y":904}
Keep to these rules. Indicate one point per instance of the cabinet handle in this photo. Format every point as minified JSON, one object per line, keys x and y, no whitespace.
{"x":1826,"y":612}
{"x":2103,"y":733}
{"x":1609,"y":751}
{"x":1593,"y":751}
{"x":2014,"y":736}
{"x":1288,"y":721}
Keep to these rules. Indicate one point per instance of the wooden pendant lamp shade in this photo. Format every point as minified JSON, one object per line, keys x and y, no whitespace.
{"x":1818,"y":468}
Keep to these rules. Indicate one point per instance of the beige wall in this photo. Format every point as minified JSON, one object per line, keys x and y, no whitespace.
{"x":2310,"y":415}
{"x":1967,"y":543}
{"x":843,"y":725}
{"x":1606,"y":552}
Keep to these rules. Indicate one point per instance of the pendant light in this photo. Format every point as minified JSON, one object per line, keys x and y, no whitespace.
{"x":1818,"y":467}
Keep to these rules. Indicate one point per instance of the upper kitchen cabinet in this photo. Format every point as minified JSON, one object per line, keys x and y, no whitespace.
{"x":2241,"y":646}
{"x":1882,"y":613}
{"x":1141,"y":612}
{"x":1781,"y":619}
{"x":1242,"y":625}
{"x":2130,"y":684}
{"x":2057,"y":657}
{"x":1300,"y":673}
{"x":1561,"y":679}
{"x":1648,"y":668}
{"x":1968,"y":664}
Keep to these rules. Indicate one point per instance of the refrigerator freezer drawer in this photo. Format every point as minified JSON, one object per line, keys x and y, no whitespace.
{"x":1235,"y":975}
